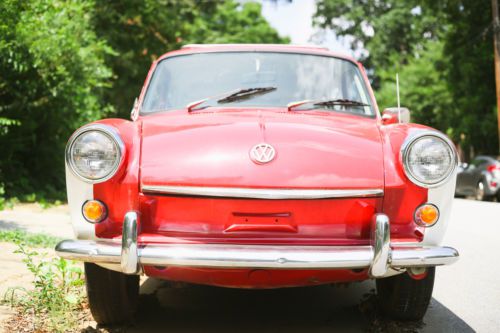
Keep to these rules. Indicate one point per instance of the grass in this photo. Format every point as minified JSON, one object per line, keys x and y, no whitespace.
{"x":56,"y":298}
{"x":28,"y":239}
{"x":55,"y":302}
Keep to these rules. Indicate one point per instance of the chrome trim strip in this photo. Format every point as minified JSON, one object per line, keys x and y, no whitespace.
{"x":255,"y":256}
{"x":381,"y":239}
{"x":260,"y":193}
{"x":226,"y":256}
{"x":129,"y":255}
{"x":415,"y":256}
{"x":90,"y":251}
{"x":274,"y":257}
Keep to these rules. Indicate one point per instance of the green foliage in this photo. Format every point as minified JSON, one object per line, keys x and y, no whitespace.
{"x":443,"y":51}
{"x":232,"y":23}
{"x":66,"y":63}
{"x":424,"y":89}
{"x":28,"y":239}
{"x":57,"y":293}
{"x":53,"y":70}
{"x":141,"y":31}
{"x":469,"y":42}
{"x":2,"y":198}
{"x":392,"y":31}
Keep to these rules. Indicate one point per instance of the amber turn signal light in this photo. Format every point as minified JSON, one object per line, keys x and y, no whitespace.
{"x":426,"y":215}
{"x":94,"y":211}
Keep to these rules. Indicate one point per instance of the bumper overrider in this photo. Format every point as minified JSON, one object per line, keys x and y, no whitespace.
{"x":379,"y":257}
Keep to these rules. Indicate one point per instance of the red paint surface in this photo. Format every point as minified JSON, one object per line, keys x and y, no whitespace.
{"x":255,"y":278}
{"x":210,"y":148}
{"x":218,"y":220}
{"x":401,"y":196}
{"x":121,"y":192}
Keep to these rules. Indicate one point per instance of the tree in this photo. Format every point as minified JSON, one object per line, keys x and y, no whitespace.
{"x":428,"y":95}
{"x":66,"y":63}
{"x":392,"y":31}
{"x":469,"y":42}
{"x":443,"y":50}
{"x":52,"y":74}
{"x":141,"y":31}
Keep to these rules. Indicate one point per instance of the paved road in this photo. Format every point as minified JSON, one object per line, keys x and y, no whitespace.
{"x":466,"y":295}
{"x":470,"y":288}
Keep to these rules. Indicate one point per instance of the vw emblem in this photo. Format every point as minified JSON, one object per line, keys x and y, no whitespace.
{"x":262,"y":153}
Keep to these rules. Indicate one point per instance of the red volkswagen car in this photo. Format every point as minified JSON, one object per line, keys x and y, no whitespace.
{"x":259,"y":166}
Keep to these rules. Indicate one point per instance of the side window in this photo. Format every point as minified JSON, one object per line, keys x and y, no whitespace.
{"x":474,"y":164}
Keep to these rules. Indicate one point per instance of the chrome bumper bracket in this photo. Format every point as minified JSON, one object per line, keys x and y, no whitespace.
{"x":381,"y":242}
{"x":129,"y":258}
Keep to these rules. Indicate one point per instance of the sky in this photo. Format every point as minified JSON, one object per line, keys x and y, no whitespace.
{"x":294,"y":19}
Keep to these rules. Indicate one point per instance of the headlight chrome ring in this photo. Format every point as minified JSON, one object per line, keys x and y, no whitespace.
{"x":112,"y":135}
{"x":406,"y":151}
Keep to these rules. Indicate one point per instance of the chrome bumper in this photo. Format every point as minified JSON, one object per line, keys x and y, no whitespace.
{"x":378,"y":257}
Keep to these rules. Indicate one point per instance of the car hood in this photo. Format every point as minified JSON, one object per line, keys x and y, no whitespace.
{"x":212,"y":148}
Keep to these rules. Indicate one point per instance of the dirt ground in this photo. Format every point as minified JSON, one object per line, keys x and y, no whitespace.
{"x":53,"y":221}
{"x":32,"y":218}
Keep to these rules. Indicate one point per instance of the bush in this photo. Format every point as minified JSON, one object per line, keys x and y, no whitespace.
{"x":66,"y":63}
{"x":53,"y":74}
{"x":57,"y":295}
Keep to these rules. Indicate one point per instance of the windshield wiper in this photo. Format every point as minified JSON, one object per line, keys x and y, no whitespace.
{"x":243,"y":94}
{"x":232,"y":96}
{"x":329,"y":102}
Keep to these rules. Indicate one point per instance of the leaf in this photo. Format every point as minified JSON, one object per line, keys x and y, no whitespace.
{"x":71,"y":299}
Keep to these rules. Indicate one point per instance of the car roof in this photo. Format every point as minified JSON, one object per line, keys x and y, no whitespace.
{"x":285,"y":48}
{"x":486,"y":158}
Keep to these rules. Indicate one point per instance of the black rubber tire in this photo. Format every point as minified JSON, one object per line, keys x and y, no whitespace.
{"x":480,"y":195}
{"x":401,"y":297}
{"x":113,"y":296}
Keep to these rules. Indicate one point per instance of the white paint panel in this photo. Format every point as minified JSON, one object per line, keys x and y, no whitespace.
{"x":442,"y":197}
{"x":79,"y":192}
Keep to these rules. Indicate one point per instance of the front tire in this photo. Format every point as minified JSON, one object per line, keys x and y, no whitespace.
{"x":403,"y":297}
{"x":481,"y":192}
{"x":113,"y":296}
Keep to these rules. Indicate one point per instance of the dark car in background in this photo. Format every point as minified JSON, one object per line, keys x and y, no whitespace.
{"x":480,"y":178}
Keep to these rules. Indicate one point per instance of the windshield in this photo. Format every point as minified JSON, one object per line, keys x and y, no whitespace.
{"x":181,"y":80}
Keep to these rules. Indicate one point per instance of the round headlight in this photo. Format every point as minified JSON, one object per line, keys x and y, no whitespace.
{"x":94,"y":153}
{"x":429,"y":159}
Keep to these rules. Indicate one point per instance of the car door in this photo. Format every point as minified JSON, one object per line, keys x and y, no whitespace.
{"x":460,"y":187}
{"x":467,"y":183}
